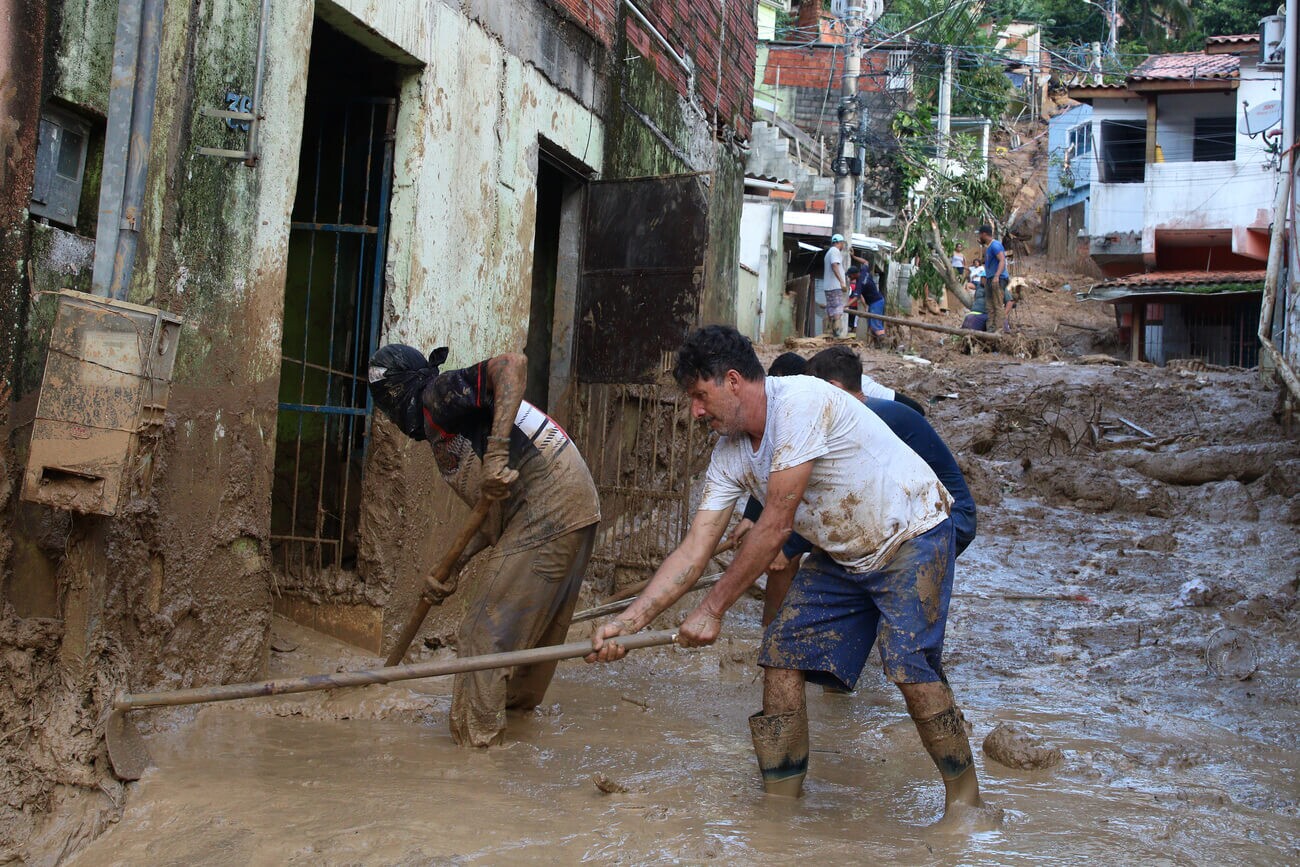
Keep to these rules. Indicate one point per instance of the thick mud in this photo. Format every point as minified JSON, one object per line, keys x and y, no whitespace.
{"x":1091,"y":611}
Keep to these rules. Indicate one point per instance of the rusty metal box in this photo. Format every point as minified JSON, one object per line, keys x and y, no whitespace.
{"x":107,"y":375}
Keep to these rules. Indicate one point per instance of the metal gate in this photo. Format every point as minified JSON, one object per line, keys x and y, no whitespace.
{"x":643,"y":449}
{"x":333,"y":298}
{"x":644,"y":254}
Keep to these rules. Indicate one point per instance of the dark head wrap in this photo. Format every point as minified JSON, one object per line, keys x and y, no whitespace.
{"x":398,"y":376}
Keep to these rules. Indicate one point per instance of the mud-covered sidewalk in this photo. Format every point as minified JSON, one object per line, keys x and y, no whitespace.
{"x":1130,"y":601}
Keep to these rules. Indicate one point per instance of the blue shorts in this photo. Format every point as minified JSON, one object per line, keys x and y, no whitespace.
{"x":878,"y":308}
{"x":831,"y":616}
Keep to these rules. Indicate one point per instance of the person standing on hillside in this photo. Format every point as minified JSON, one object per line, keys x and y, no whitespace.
{"x":996,"y":276}
{"x":835,"y":283}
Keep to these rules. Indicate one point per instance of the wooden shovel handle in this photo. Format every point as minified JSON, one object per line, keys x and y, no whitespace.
{"x":437,"y":577}
{"x":391,"y":674}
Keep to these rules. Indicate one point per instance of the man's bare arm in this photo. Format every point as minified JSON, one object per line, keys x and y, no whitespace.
{"x":507,"y":379}
{"x":679,"y":571}
{"x":785,"y":490}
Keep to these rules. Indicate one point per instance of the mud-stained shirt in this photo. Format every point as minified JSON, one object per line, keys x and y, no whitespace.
{"x":554,"y":494}
{"x":868,"y":493}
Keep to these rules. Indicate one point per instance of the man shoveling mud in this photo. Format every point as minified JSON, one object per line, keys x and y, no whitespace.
{"x":489,"y":442}
{"x":828,"y":468}
{"x":842,"y":368}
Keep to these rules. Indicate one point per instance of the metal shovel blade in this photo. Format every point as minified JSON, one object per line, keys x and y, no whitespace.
{"x":126,"y":750}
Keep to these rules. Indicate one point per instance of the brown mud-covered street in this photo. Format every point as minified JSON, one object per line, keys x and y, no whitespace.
{"x":1129,"y":608}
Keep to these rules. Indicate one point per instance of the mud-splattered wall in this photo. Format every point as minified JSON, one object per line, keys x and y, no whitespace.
{"x":178,"y":589}
{"x":489,"y":89}
{"x":175,"y":590}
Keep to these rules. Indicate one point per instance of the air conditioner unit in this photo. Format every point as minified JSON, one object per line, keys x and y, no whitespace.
{"x":1272,"y":32}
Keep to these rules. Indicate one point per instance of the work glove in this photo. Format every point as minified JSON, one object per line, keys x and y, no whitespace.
{"x":497,"y":475}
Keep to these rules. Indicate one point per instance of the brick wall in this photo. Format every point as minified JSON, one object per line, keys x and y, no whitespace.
{"x":821,"y":67}
{"x":597,"y":17}
{"x":719,"y":36}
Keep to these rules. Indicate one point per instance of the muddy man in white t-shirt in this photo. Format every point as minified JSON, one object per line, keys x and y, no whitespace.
{"x":828,"y":468}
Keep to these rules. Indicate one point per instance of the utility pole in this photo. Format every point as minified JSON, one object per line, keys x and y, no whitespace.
{"x":945,"y":109}
{"x":1111,"y":11}
{"x":846,"y":166}
{"x":1113,"y":36}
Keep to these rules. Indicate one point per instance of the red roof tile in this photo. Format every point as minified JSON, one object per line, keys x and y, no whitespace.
{"x":1190,"y":66}
{"x":1188,"y":278}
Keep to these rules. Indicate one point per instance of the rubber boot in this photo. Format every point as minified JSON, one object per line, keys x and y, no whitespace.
{"x":781,"y":744}
{"x":945,"y":739}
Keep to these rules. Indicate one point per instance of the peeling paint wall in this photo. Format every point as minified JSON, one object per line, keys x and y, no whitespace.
{"x":22,"y":30}
{"x":177,"y":590}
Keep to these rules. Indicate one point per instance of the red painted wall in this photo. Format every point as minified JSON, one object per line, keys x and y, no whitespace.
{"x":821,"y":67}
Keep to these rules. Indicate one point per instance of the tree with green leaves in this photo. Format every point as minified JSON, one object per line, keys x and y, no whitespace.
{"x":1147,"y":26}
{"x":942,"y":202}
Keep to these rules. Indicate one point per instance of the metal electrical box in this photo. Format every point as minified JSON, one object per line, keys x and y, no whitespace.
{"x":107,"y":375}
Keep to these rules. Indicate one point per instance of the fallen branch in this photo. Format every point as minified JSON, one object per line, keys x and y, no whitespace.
{"x":994,"y":340}
{"x":1244,"y":463}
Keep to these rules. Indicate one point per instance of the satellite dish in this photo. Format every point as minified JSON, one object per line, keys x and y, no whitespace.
{"x":1262,"y":117}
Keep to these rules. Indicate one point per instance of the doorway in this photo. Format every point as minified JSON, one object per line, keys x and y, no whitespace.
{"x":333,"y":297}
{"x":556,"y":249}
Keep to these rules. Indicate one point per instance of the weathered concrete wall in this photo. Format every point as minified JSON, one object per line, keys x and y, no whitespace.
{"x":467,"y":160}
{"x":177,"y":590}
{"x":22,"y":52}
{"x":653,"y":130}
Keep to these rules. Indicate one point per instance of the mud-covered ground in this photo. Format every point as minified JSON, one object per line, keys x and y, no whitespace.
{"x":1130,"y":601}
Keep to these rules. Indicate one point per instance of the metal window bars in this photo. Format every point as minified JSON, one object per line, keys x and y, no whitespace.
{"x":333,"y":298}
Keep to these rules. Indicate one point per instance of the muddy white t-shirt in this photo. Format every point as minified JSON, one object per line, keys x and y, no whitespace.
{"x":871,"y":388}
{"x":869,"y":492}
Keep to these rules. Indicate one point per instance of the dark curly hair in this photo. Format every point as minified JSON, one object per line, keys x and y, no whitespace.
{"x":709,"y":352}
{"x":788,"y":364}
{"x":839,"y":363}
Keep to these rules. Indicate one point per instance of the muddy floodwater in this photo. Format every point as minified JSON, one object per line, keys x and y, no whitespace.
{"x":1164,"y":762}
{"x":1094,"y":610}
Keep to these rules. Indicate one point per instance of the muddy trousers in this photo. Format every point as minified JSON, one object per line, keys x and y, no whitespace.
{"x":525,"y":600}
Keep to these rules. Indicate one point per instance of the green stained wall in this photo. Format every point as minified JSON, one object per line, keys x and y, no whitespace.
{"x":654,"y":131}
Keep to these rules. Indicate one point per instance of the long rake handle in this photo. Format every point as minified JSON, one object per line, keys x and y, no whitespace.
{"x":438,"y":576}
{"x":316,"y":682}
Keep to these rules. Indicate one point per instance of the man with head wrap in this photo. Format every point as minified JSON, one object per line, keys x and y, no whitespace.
{"x":489,"y":442}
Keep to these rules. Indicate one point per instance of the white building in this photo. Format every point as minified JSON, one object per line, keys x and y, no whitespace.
{"x":1185,"y":171}
{"x":1187,"y":165}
